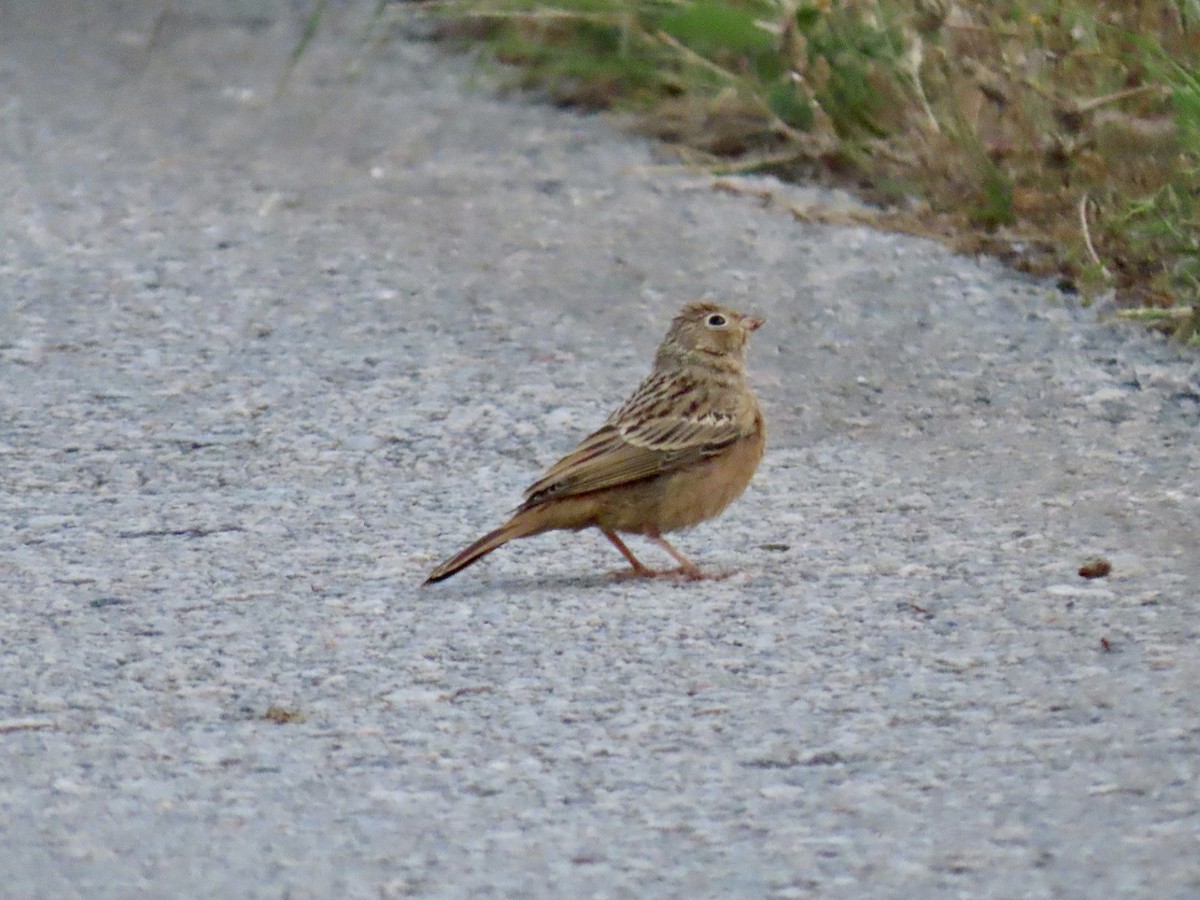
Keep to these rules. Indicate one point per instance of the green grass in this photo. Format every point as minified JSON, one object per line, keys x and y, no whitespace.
{"x":1064,"y":136}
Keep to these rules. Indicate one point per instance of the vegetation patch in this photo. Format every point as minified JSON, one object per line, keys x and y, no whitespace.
{"x":1061,"y":135}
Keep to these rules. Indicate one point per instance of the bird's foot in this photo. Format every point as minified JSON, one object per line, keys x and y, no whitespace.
{"x":683,"y":573}
{"x":638,"y":571}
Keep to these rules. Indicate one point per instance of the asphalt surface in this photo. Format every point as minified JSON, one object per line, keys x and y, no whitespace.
{"x":268,"y":355}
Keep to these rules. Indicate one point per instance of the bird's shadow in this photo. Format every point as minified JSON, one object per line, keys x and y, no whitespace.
{"x":595,"y":580}
{"x":564,"y":580}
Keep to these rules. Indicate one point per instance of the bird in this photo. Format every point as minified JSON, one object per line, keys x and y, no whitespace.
{"x":677,"y":452}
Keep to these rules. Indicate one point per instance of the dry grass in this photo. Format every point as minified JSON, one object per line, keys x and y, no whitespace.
{"x":1062,"y":136}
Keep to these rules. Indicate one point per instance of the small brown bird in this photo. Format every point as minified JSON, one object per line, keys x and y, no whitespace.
{"x":677,"y":452}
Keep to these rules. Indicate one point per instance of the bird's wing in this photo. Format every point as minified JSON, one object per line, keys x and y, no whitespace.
{"x":622,"y":453}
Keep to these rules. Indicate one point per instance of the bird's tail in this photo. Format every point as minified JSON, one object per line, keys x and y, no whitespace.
{"x":519,"y":526}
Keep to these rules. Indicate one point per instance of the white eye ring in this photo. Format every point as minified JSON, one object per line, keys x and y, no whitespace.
{"x":716,"y":320}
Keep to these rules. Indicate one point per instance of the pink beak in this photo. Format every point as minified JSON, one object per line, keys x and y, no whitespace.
{"x":752,"y":323}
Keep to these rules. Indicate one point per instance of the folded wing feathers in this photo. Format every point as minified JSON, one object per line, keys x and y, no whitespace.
{"x":639,"y":449}
{"x":666,"y":434}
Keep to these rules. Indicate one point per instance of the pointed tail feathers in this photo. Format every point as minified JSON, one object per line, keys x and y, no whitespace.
{"x":518,"y":526}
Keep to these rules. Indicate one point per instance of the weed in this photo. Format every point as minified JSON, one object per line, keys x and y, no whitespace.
{"x":1062,"y":134}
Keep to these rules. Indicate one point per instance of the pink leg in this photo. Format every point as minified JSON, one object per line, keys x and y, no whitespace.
{"x":687,"y":567}
{"x":638,"y":568}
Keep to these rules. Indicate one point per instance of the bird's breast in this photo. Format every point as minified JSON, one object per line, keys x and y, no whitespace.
{"x":690,"y":495}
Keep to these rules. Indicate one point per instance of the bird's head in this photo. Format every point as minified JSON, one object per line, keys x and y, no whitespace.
{"x":704,"y":329}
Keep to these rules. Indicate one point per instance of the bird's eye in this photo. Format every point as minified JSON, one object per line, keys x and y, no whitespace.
{"x":716,"y":320}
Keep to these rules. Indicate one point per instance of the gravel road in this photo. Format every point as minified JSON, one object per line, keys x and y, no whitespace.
{"x":267,"y":356}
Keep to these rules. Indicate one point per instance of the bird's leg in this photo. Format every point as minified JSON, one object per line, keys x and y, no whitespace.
{"x":638,"y":568}
{"x":687,"y":567}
